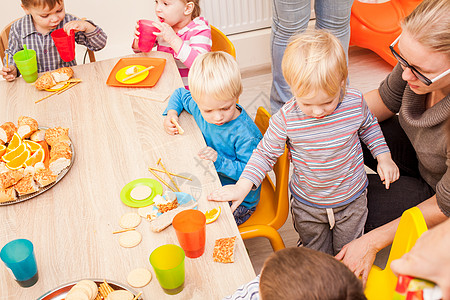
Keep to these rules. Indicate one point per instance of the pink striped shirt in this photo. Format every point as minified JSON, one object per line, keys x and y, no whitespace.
{"x":196,"y":38}
{"x":326,"y":153}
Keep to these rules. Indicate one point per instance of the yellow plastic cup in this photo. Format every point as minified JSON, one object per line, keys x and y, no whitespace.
{"x":168,"y":263}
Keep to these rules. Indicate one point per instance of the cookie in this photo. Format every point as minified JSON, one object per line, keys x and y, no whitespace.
{"x":139,"y":277}
{"x":129,"y":220}
{"x":141,"y":192}
{"x":91,"y":285}
{"x":130,"y":239}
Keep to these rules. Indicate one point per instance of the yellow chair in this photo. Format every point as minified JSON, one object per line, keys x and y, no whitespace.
{"x":220,"y":42}
{"x":4,"y":36}
{"x":381,"y":283}
{"x":273,"y":207}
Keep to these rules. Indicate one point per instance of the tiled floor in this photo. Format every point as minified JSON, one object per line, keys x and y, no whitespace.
{"x":366,"y":71}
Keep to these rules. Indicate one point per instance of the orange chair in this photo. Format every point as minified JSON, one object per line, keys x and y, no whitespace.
{"x":273,"y":207}
{"x":381,"y":283}
{"x":376,"y":25}
{"x":220,"y":42}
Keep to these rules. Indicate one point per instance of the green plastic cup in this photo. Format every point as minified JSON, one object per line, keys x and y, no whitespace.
{"x":168,"y":263}
{"x":27,"y":64}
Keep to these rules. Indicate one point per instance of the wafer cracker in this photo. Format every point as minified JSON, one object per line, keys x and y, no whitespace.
{"x":139,"y":277}
{"x":130,"y":220}
{"x":120,"y":295}
{"x":224,"y":250}
{"x":130,"y":239}
{"x":105,"y":289}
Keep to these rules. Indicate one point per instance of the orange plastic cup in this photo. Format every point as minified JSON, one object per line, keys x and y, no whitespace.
{"x":190,"y":226}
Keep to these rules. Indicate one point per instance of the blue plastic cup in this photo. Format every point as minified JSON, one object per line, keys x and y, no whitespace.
{"x":18,"y":256}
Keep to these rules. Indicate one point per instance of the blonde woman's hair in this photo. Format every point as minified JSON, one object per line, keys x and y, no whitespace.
{"x":197,"y":10}
{"x":215,"y":74}
{"x":314,"y":61}
{"x":429,"y":24}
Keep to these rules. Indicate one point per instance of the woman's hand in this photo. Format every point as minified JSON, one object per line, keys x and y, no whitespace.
{"x":358,"y":256}
{"x":208,"y":153}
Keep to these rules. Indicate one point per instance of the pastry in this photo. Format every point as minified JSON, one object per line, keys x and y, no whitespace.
{"x":6,"y":132}
{"x":26,"y":185}
{"x":46,"y":81}
{"x":44,"y":176}
{"x":53,"y":134}
{"x":27,"y":126}
{"x":10,"y":178}
{"x":50,"y":79}
{"x":8,"y":194}
{"x":38,"y":136}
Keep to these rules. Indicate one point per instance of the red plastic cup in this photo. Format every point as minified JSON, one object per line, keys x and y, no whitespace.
{"x":65,"y":44}
{"x":146,"y":37}
{"x":190,"y":227}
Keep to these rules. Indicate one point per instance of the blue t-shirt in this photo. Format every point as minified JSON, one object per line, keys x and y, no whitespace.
{"x":234,"y":141}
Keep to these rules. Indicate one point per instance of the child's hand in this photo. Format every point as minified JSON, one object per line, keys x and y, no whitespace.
{"x":167,"y":34}
{"x":208,"y":153}
{"x":135,"y":45}
{"x":78,"y":25}
{"x":169,"y":126}
{"x":10,"y":73}
{"x":233,"y":192}
{"x":387,"y":169}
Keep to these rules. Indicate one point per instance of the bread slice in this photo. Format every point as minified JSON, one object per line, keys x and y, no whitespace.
{"x":6,"y":132}
{"x":26,"y":185}
{"x":224,"y":250}
{"x":27,"y":126}
{"x":44,"y":177}
{"x":8,"y":194}
{"x":10,"y":178}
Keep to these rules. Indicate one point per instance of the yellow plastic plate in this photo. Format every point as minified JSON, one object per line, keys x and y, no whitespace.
{"x":121,"y":75}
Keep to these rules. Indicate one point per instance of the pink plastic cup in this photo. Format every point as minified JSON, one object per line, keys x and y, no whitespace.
{"x":65,"y":44}
{"x":146,"y":38}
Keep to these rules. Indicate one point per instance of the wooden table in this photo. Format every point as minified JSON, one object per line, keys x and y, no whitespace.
{"x":116,"y":138}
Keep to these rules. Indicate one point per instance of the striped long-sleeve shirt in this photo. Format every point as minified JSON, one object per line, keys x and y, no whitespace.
{"x":23,"y":32}
{"x":326,"y":153}
{"x":196,"y":38}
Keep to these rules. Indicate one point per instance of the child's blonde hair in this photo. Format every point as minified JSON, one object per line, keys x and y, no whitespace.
{"x":302,"y":273}
{"x":41,"y":3}
{"x":215,"y":74}
{"x":429,"y":24}
{"x":314,"y":61}
{"x":197,"y":10}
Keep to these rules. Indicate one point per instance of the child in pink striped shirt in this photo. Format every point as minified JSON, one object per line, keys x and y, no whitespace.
{"x":183,"y":33}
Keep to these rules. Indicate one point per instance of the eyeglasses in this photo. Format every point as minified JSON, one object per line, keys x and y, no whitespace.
{"x":416,"y":73}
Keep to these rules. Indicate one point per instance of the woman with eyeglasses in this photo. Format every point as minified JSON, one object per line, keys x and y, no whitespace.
{"x":412,"y":104}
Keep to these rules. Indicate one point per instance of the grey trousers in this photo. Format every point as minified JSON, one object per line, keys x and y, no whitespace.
{"x":313,"y":224}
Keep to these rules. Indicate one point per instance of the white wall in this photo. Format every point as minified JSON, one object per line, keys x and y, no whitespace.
{"x":118,"y":18}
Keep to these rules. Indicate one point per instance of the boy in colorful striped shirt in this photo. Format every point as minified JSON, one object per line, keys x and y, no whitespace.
{"x":322,"y":126}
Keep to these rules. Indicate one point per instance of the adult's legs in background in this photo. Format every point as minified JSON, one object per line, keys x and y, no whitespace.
{"x":291,"y":17}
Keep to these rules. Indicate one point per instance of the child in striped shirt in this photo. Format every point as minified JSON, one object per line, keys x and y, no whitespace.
{"x":322,"y":126}
{"x":183,"y":33}
{"x":34,"y":29}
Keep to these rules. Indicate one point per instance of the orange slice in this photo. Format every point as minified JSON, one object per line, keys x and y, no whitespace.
{"x":32,"y":146}
{"x":2,"y":150}
{"x":14,"y":153}
{"x":38,"y":156}
{"x":212,"y":215}
{"x":15,"y":142}
{"x":17,"y":162}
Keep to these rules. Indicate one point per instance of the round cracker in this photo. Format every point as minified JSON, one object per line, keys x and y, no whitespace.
{"x":77,"y":295}
{"x":139,"y":277}
{"x":92,"y":285}
{"x":130,"y":220}
{"x":84,"y":288}
{"x":130,"y":239}
{"x":120,"y":295}
{"x":141,"y":192}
